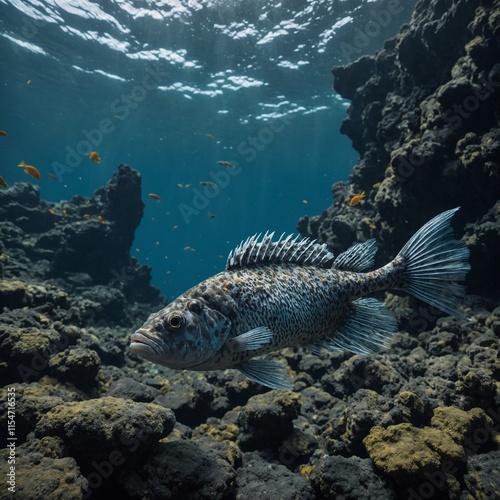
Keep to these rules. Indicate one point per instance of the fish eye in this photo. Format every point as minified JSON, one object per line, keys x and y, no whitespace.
{"x":195,"y":306}
{"x":174,"y":322}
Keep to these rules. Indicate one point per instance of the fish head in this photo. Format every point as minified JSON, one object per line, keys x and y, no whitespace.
{"x":183,"y":335}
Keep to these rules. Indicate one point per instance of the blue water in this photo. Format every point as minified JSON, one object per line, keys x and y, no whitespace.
{"x":172,"y":87}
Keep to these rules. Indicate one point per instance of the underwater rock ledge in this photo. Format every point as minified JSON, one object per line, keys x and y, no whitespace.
{"x":424,"y":117}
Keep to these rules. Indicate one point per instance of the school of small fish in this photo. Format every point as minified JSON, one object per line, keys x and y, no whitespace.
{"x":293,"y":292}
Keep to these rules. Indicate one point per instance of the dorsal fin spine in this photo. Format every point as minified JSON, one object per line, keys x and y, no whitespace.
{"x":261,"y":249}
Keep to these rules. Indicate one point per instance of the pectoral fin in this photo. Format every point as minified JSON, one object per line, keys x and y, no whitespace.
{"x":251,"y":340}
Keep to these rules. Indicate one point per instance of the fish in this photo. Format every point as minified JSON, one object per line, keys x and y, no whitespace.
{"x":5,"y":134}
{"x":210,"y":136}
{"x":100,"y":219}
{"x":30,"y":170}
{"x":155,"y":197}
{"x":28,"y":82}
{"x":3,"y":183}
{"x":52,"y":177}
{"x":226,"y":163}
{"x":208,"y":184}
{"x":211,"y":215}
{"x":356,"y":199}
{"x":52,"y":211}
{"x":94,"y":156}
{"x":293,"y":292}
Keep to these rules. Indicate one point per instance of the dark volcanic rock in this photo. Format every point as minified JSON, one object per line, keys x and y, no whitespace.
{"x":483,"y":476}
{"x":260,"y":479}
{"x":350,"y":478}
{"x":184,"y":469}
{"x":78,"y":366}
{"x":267,"y":419}
{"x":99,"y":246}
{"x":128,"y":388}
{"x":190,"y":403}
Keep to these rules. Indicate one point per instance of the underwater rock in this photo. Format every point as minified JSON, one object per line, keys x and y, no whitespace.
{"x":406,"y":453}
{"x":345,"y":434}
{"x":32,"y":402}
{"x":473,"y":429}
{"x":78,"y":366}
{"x":38,"y":477}
{"x":483,"y":477}
{"x":260,"y":479}
{"x":26,"y":350}
{"x":267,"y":419}
{"x":77,"y":237}
{"x":93,"y":429}
{"x":352,"y":477}
{"x":99,"y":246}
{"x":21,"y":205}
{"x":128,"y":388}
{"x":184,"y":469}
{"x":482,"y":238}
{"x":190,"y":403}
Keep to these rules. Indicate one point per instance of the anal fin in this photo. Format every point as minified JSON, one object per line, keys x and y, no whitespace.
{"x":368,"y":328}
{"x":268,"y":373}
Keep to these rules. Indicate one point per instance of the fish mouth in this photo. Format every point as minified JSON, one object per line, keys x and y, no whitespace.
{"x":144,"y":345}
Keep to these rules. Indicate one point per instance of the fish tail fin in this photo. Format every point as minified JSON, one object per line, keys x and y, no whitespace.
{"x":434,"y":261}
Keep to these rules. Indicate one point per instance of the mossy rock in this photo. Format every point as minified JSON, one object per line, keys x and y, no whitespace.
{"x":403,"y":451}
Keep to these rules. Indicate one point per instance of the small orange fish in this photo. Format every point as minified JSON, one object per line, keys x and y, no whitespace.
{"x":52,"y":211}
{"x":64,"y":212}
{"x":87,"y":202}
{"x":372,"y":226}
{"x":155,"y":197}
{"x":210,"y":136}
{"x":100,"y":219}
{"x":5,"y":134}
{"x":30,"y":170}
{"x":376,"y":185}
{"x":356,"y":199}
{"x":28,"y":83}
{"x":209,"y":184}
{"x":94,"y":156}
{"x":189,"y":249}
{"x":305,"y":202}
{"x":86,"y":216}
{"x":225,"y":163}
{"x":52,"y":176}
{"x":2,"y":182}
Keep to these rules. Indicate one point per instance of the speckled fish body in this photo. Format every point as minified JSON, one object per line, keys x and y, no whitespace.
{"x":293,"y":292}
